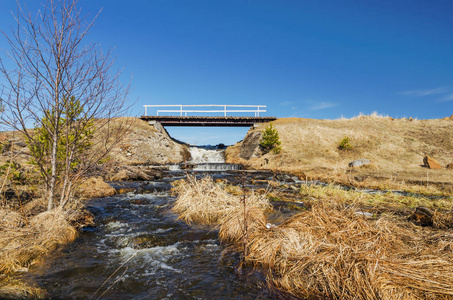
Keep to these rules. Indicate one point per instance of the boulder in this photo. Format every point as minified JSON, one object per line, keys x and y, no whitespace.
{"x":80,"y":218}
{"x":359,"y":163}
{"x":135,"y":173}
{"x":251,"y":145}
{"x":95,"y":187}
{"x":431,"y":163}
{"x":450,"y":166}
{"x":53,"y":228}
{"x":422,"y":216}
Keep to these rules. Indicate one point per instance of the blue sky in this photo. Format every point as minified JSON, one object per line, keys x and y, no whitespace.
{"x":308,"y":59}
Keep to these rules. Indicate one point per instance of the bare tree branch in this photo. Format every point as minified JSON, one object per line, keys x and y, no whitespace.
{"x":55,"y":72}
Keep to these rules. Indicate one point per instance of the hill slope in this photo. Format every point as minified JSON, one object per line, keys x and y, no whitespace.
{"x":395,"y":147}
{"x":141,"y":143}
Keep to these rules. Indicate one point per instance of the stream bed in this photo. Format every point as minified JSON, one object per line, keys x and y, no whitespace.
{"x":140,"y":250}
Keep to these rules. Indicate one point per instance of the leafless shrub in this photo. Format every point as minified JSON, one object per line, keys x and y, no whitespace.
{"x":66,"y":88}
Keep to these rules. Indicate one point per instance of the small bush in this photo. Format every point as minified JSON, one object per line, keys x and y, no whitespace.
{"x":15,"y":174}
{"x":270,"y":140}
{"x":345,"y":144}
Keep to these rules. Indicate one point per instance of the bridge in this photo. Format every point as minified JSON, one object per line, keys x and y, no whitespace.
{"x":224,"y":120}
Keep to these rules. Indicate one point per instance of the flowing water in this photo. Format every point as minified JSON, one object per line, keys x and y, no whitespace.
{"x":206,"y":158}
{"x":140,"y":250}
{"x":206,"y":154}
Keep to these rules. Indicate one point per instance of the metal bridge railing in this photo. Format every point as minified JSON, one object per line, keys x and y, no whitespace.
{"x":182,"y":111}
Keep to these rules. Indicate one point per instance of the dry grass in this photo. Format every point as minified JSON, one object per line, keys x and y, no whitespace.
{"x":331,"y":250}
{"x":388,"y":200}
{"x":395,"y":147}
{"x":232,"y":225}
{"x":20,"y":245}
{"x":205,"y":202}
{"x":443,"y":220}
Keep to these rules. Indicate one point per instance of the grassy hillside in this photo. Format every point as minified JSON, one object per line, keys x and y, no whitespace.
{"x":395,"y":147}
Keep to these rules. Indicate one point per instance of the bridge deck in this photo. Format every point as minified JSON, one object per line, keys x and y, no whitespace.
{"x":208,"y":121}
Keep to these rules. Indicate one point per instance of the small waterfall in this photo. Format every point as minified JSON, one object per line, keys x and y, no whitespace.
{"x":206,"y":158}
{"x":216,"y":167}
{"x":202,"y":155}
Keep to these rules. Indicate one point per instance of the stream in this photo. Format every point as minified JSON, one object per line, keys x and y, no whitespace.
{"x":140,"y":250}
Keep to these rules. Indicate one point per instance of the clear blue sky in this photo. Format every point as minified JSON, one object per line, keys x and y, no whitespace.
{"x":309,"y":59}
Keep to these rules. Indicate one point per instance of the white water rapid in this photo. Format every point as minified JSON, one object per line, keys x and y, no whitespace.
{"x":206,"y":158}
{"x":204,"y":155}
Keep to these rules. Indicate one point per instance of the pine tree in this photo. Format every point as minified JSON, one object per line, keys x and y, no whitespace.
{"x":270,"y":140}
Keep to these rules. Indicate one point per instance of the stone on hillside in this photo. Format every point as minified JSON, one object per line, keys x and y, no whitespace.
{"x":95,"y":187}
{"x":431,"y":163}
{"x":359,"y":162}
{"x":251,"y":145}
{"x":136,"y":173}
{"x":80,"y":218}
{"x":422,"y":216}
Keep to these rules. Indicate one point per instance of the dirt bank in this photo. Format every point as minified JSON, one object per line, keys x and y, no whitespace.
{"x":395,"y":147}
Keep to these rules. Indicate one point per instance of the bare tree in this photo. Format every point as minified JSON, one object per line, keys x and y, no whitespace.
{"x":60,"y":93}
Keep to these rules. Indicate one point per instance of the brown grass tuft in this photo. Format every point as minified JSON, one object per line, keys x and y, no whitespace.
{"x":443,"y":220}
{"x":331,"y":251}
{"x":20,"y":246}
{"x":232,"y":225}
{"x":10,"y":219}
{"x":205,"y":202}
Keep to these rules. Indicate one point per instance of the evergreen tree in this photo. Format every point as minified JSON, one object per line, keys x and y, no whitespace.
{"x":74,"y":141}
{"x":270,"y":140}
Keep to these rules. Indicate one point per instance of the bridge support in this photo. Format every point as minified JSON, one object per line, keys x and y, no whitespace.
{"x":157,"y":125}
